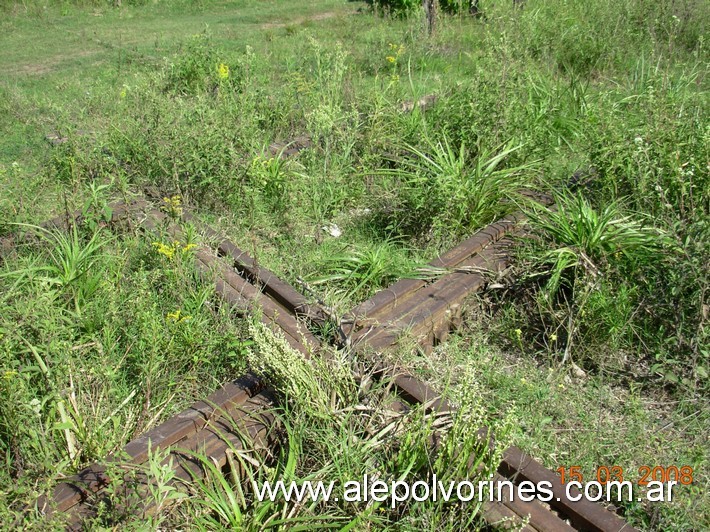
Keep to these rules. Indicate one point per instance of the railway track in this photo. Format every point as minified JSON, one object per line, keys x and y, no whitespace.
{"x":241,"y":416}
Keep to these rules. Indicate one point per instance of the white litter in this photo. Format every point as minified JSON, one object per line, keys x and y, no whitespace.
{"x":333,"y":230}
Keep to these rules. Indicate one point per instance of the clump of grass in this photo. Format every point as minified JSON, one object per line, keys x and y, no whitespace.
{"x":84,"y":368}
{"x":442,"y":193}
{"x":589,"y":240}
{"x":72,"y":265}
{"x":589,"y":261}
{"x":200,"y":69}
{"x":360,"y":271}
{"x":273,"y":357}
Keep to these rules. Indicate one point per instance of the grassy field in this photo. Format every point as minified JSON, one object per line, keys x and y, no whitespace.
{"x":597,"y":352}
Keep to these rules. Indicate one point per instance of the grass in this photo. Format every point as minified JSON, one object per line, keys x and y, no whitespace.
{"x":586,"y":420}
{"x":181,"y":99}
{"x":363,"y":270}
{"x":330,"y":435}
{"x":94,"y":351}
{"x":70,"y":265}
{"x":441,"y":192}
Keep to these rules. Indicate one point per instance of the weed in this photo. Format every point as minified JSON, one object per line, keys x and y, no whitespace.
{"x":439,"y":192}
{"x":329,"y":436}
{"x":96,"y":210}
{"x":590,"y":240}
{"x":360,"y":271}
{"x":70,"y":267}
{"x":581,"y":252}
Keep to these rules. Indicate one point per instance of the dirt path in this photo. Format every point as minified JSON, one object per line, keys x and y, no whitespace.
{"x":49,"y":64}
{"x":301,"y":20}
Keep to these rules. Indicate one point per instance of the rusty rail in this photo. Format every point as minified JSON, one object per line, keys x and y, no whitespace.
{"x":427,"y":311}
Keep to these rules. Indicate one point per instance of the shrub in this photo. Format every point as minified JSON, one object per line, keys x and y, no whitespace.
{"x":201,"y":67}
{"x":400,"y":8}
{"x":407,"y":7}
{"x":598,"y":268}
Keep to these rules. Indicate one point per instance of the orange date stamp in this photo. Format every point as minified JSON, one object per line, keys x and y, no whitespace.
{"x":605,"y":474}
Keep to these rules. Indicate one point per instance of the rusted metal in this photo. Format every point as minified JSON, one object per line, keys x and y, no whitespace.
{"x":583,"y":514}
{"x":268,"y":281}
{"x":399,"y":294}
{"x":77,"y":489}
{"x":426,"y":309}
{"x":500,"y":517}
{"x":538,"y":516}
{"x":435,"y":308}
{"x":285,"y":150}
{"x":251,"y":422}
{"x":249,"y":299}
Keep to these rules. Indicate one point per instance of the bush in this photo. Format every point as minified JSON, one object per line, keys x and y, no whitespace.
{"x":407,"y":7}
{"x":399,"y":8}
{"x":201,"y":68}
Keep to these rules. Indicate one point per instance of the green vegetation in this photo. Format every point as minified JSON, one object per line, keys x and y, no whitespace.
{"x":104,"y":333}
{"x":438,"y":191}
{"x":101,"y":338}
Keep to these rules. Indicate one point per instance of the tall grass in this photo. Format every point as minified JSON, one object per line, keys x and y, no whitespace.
{"x":444,"y":193}
{"x":361,"y":270}
{"x":71,"y":268}
{"x":99,"y":340}
{"x":330,"y":436}
{"x":592,"y":240}
{"x":582,"y":254}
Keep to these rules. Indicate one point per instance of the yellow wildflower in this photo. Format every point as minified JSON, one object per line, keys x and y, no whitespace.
{"x":178,"y":316}
{"x":391,"y":59}
{"x":398,"y":49}
{"x":164,"y":249}
{"x":553,"y":337}
{"x":223,"y":71}
{"x":172,"y":206}
{"x":170,"y":250}
{"x":8,"y":375}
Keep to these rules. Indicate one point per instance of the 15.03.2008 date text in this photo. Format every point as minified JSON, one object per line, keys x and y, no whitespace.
{"x":682,"y":475}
